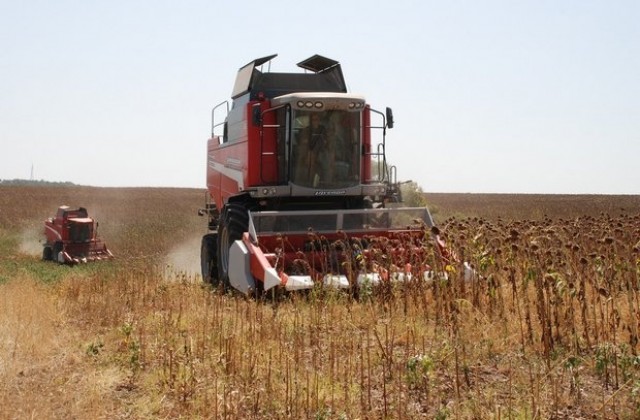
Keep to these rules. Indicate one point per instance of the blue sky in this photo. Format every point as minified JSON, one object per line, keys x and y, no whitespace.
{"x":488,"y":96}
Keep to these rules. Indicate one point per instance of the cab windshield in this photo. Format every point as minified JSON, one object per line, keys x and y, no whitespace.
{"x":79,"y":232}
{"x":324,"y":149}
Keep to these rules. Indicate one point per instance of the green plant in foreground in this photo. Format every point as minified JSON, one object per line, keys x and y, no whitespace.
{"x":419,"y":370}
{"x":326,"y":413}
{"x":572,"y":364}
{"x":132,"y":347}
{"x":94,"y":348}
{"x":629,"y":363}
{"x":635,"y":393}
{"x":442,"y":413}
{"x":604,"y":358}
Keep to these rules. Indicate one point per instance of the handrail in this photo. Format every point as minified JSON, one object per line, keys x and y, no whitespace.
{"x":381,"y":148}
{"x":262,"y":127}
{"x":213,"y":121}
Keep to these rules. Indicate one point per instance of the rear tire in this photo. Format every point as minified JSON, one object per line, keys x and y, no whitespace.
{"x":233,"y":223}
{"x":209,"y":259}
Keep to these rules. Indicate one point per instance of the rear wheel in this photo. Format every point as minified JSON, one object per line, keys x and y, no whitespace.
{"x":209,"y":259}
{"x":233,"y":223}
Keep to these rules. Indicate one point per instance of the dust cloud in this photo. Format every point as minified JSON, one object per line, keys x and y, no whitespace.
{"x":31,"y":240}
{"x":185,"y":257}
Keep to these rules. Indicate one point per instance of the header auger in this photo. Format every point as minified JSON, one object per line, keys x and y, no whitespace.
{"x":299,"y":191}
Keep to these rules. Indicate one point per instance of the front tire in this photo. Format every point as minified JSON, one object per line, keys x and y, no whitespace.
{"x":233,"y":223}
{"x":47,"y":253}
{"x":57,"y":252}
{"x":209,"y":259}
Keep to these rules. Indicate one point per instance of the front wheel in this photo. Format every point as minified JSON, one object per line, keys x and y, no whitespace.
{"x":209,"y":259}
{"x":233,"y":223}
{"x":47,"y":253}
{"x":57,"y":253}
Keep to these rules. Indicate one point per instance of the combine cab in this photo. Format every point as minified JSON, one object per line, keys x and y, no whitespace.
{"x":71,"y":238}
{"x":299,"y":191}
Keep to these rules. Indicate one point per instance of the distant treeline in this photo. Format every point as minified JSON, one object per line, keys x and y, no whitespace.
{"x":38,"y":182}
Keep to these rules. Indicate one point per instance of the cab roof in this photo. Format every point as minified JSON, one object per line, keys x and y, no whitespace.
{"x":321,"y":74}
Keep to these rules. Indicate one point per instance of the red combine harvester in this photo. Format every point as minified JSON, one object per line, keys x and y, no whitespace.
{"x":299,"y":191}
{"x":71,"y":238}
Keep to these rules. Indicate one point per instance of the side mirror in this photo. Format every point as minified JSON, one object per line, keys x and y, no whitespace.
{"x":256,"y":115}
{"x":389,"y":118}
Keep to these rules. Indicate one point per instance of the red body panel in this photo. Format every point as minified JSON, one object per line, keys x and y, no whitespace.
{"x":235,"y":166}
{"x":251,"y":160}
{"x":264,"y":157}
{"x":227,"y":169}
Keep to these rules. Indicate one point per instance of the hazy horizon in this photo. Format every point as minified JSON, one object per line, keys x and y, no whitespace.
{"x":488,"y":97}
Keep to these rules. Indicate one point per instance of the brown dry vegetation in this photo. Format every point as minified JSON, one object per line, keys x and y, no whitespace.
{"x":549,"y":329}
{"x":530,"y":206}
